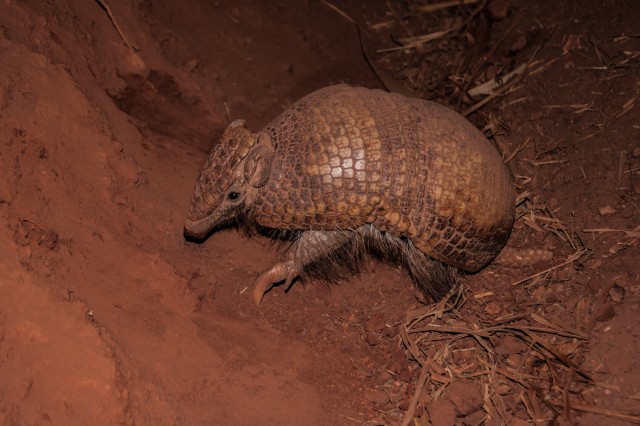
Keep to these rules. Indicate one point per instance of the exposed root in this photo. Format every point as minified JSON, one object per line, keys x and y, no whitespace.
{"x":107,"y":9}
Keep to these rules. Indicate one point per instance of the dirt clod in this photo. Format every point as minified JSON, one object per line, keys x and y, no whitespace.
{"x":616,"y":294}
{"x":519,"y":43}
{"x":474,"y":418}
{"x":493,"y":308}
{"x":466,"y":397}
{"x":377,"y":398}
{"x":605,"y":313}
{"x":607,"y":210}
{"x":499,"y":9}
{"x":442,"y":412}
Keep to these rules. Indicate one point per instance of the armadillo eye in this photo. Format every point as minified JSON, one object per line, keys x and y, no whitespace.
{"x":233,"y":195}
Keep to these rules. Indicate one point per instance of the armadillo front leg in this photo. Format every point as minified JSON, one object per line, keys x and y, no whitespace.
{"x":310,"y":247}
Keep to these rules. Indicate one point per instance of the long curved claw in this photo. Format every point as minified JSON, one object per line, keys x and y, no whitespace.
{"x":278,"y":272}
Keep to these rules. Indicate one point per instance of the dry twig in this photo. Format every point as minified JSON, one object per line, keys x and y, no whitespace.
{"x":107,"y":9}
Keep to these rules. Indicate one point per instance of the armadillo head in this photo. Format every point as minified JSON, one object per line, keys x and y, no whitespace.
{"x":236,"y":168}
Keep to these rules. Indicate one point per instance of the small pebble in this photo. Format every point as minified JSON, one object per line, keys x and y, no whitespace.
{"x":517,"y":421}
{"x":372,"y":339}
{"x":191,"y":65}
{"x":41,"y":21}
{"x":514,"y":360}
{"x":503,"y":389}
{"x":473,"y":419}
{"x":377,"y":397}
{"x":499,"y":9}
{"x":605,"y":313}
{"x":492,"y":308}
{"x":132,"y":63}
{"x":490,"y":73}
{"x":594,"y":263}
{"x":536,"y":115}
{"x":405,"y":375}
{"x":607,"y":210}
{"x":616,"y":294}
{"x":375,"y":323}
{"x":622,"y":281}
{"x":563,"y":274}
{"x":442,"y":413}
{"x":538,"y":293}
{"x":628,"y":210}
{"x":519,"y":44}
{"x":25,"y":252}
{"x":636,"y":152}
{"x":466,"y":397}
{"x":382,"y":377}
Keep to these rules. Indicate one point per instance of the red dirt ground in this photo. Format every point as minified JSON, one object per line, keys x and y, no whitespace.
{"x":108,"y":316}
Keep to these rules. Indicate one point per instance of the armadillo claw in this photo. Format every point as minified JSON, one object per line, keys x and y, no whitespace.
{"x":278,"y":272}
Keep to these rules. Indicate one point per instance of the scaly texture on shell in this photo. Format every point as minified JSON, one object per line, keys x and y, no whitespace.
{"x":344,"y":157}
{"x":217,"y":174}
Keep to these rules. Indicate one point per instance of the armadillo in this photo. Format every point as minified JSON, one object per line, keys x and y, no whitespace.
{"x":346,"y":171}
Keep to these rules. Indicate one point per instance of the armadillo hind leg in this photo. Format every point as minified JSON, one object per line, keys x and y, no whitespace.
{"x":318,"y":253}
{"x":433,"y":278}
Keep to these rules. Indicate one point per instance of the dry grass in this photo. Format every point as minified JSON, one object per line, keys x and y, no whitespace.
{"x":538,"y":374}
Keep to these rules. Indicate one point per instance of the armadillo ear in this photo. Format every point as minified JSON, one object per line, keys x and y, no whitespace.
{"x":237,"y":123}
{"x":234,"y":128}
{"x":257,"y":166}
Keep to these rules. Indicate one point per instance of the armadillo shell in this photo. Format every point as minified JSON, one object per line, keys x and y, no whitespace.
{"x":345,"y":156}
